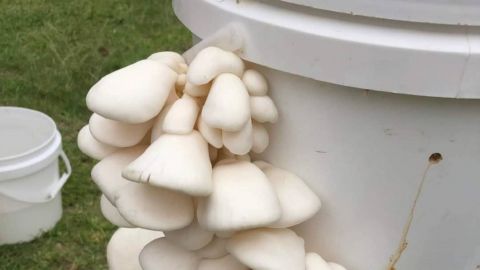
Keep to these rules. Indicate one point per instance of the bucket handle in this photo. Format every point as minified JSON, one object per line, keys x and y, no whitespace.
{"x":57,"y":186}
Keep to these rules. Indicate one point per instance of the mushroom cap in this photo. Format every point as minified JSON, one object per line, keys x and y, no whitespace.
{"x":212,"y":61}
{"x":242,"y":198}
{"x":227,"y":106}
{"x":225,"y":263}
{"x":263,"y":109}
{"x":268,"y":249}
{"x":197,"y":90}
{"x":181,"y":117}
{"x":178,"y":162}
{"x":110,"y":212}
{"x":133,"y":94}
{"x":173,"y":60}
{"x":260,"y":138}
{"x":212,"y":135}
{"x":215,"y":249}
{"x":192,"y":237}
{"x":162,"y":254}
{"x":154,"y":208}
{"x":125,"y":246}
{"x":313,"y":261}
{"x":255,"y":82}
{"x":239,"y":142}
{"x":297,"y":201}
{"x":116,"y":133}
{"x":336,"y":266}
{"x":91,"y":146}
{"x":107,"y":173}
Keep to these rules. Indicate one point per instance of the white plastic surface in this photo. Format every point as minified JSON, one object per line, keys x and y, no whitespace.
{"x":365,"y":153}
{"x":30,"y":184}
{"x":426,"y":11}
{"x":366,"y":53}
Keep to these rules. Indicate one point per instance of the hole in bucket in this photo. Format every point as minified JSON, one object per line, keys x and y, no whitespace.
{"x":435,"y":158}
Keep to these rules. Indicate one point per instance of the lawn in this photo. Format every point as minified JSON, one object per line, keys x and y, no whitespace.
{"x":51,"y":52}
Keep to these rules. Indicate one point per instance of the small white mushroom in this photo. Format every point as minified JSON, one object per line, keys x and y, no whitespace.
{"x":133,"y":94}
{"x":298,"y":202}
{"x":313,"y":261}
{"x":260,"y":138}
{"x":178,"y":162}
{"x":192,"y":237}
{"x":212,"y":61}
{"x":107,"y":173}
{"x":255,"y":82}
{"x":227,"y":106}
{"x":154,"y":208}
{"x":263,"y":109}
{"x":91,"y":146}
{"x":212,"y":135}
{"x":215,"y":249}
{"x":239,"y":142}
{"x":242,"y":198}
{"x":162,"y":254}
{"x":116,"y":133}
{"x":172,"y":59}
{"x":225,"y":263}
{"x":336,"y":266}
{"x":197,"y":90}
{"x":269,"y":249}
{"x":125,"y":246}
{"x":181,"y":81}
{"x":110,"y":212}
{"x":181,"y":117}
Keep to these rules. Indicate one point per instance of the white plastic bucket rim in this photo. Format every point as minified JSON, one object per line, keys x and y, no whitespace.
{"x":29,"y":141}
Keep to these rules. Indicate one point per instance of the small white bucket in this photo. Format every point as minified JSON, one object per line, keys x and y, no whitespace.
{"x":30,"y":183}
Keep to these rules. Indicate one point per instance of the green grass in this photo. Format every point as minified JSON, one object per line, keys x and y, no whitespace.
{"x":51,"y":52}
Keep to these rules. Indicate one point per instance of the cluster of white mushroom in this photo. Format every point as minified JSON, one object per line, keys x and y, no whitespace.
{"x":176,"y":175}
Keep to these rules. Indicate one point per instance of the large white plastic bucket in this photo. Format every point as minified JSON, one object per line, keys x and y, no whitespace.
{"x":30,"y":184}
{"x":369,"y":154}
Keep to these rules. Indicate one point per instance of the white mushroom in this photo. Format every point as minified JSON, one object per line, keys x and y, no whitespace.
{"x":242,"y":198}
{"x":116,"y":133}
{"x":263,"y":109}
{"x":268,"y":249}
{"x":260,"y":138}
{"x":133,"y":94}
{"x":192,"y":237}
{"x":107,"y":173}
{"x":171,"y":59}
{"x":227,"y":106}
{"x":181,"y":117}
{"x":91,"y":146}
{"x":154,"y":208}
{"x":239,"y":142}
{"x":178,"y":162}
{"x":212,"y":61}
{"x":212,"y":135}
{"x":215,"y":249}
{"x":125,"y":246}
{"x":197,"y":90}
{"x":181,"y":82}
{"x":298,"y":202}
{"x":225,"y":263}
{"x":157,"y":128}
{"x":336,"y":266}
{"x":255,"y":82}
{"x":162,"y":254}
{"x":313,"y":261}
{"x":110,"y":212}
